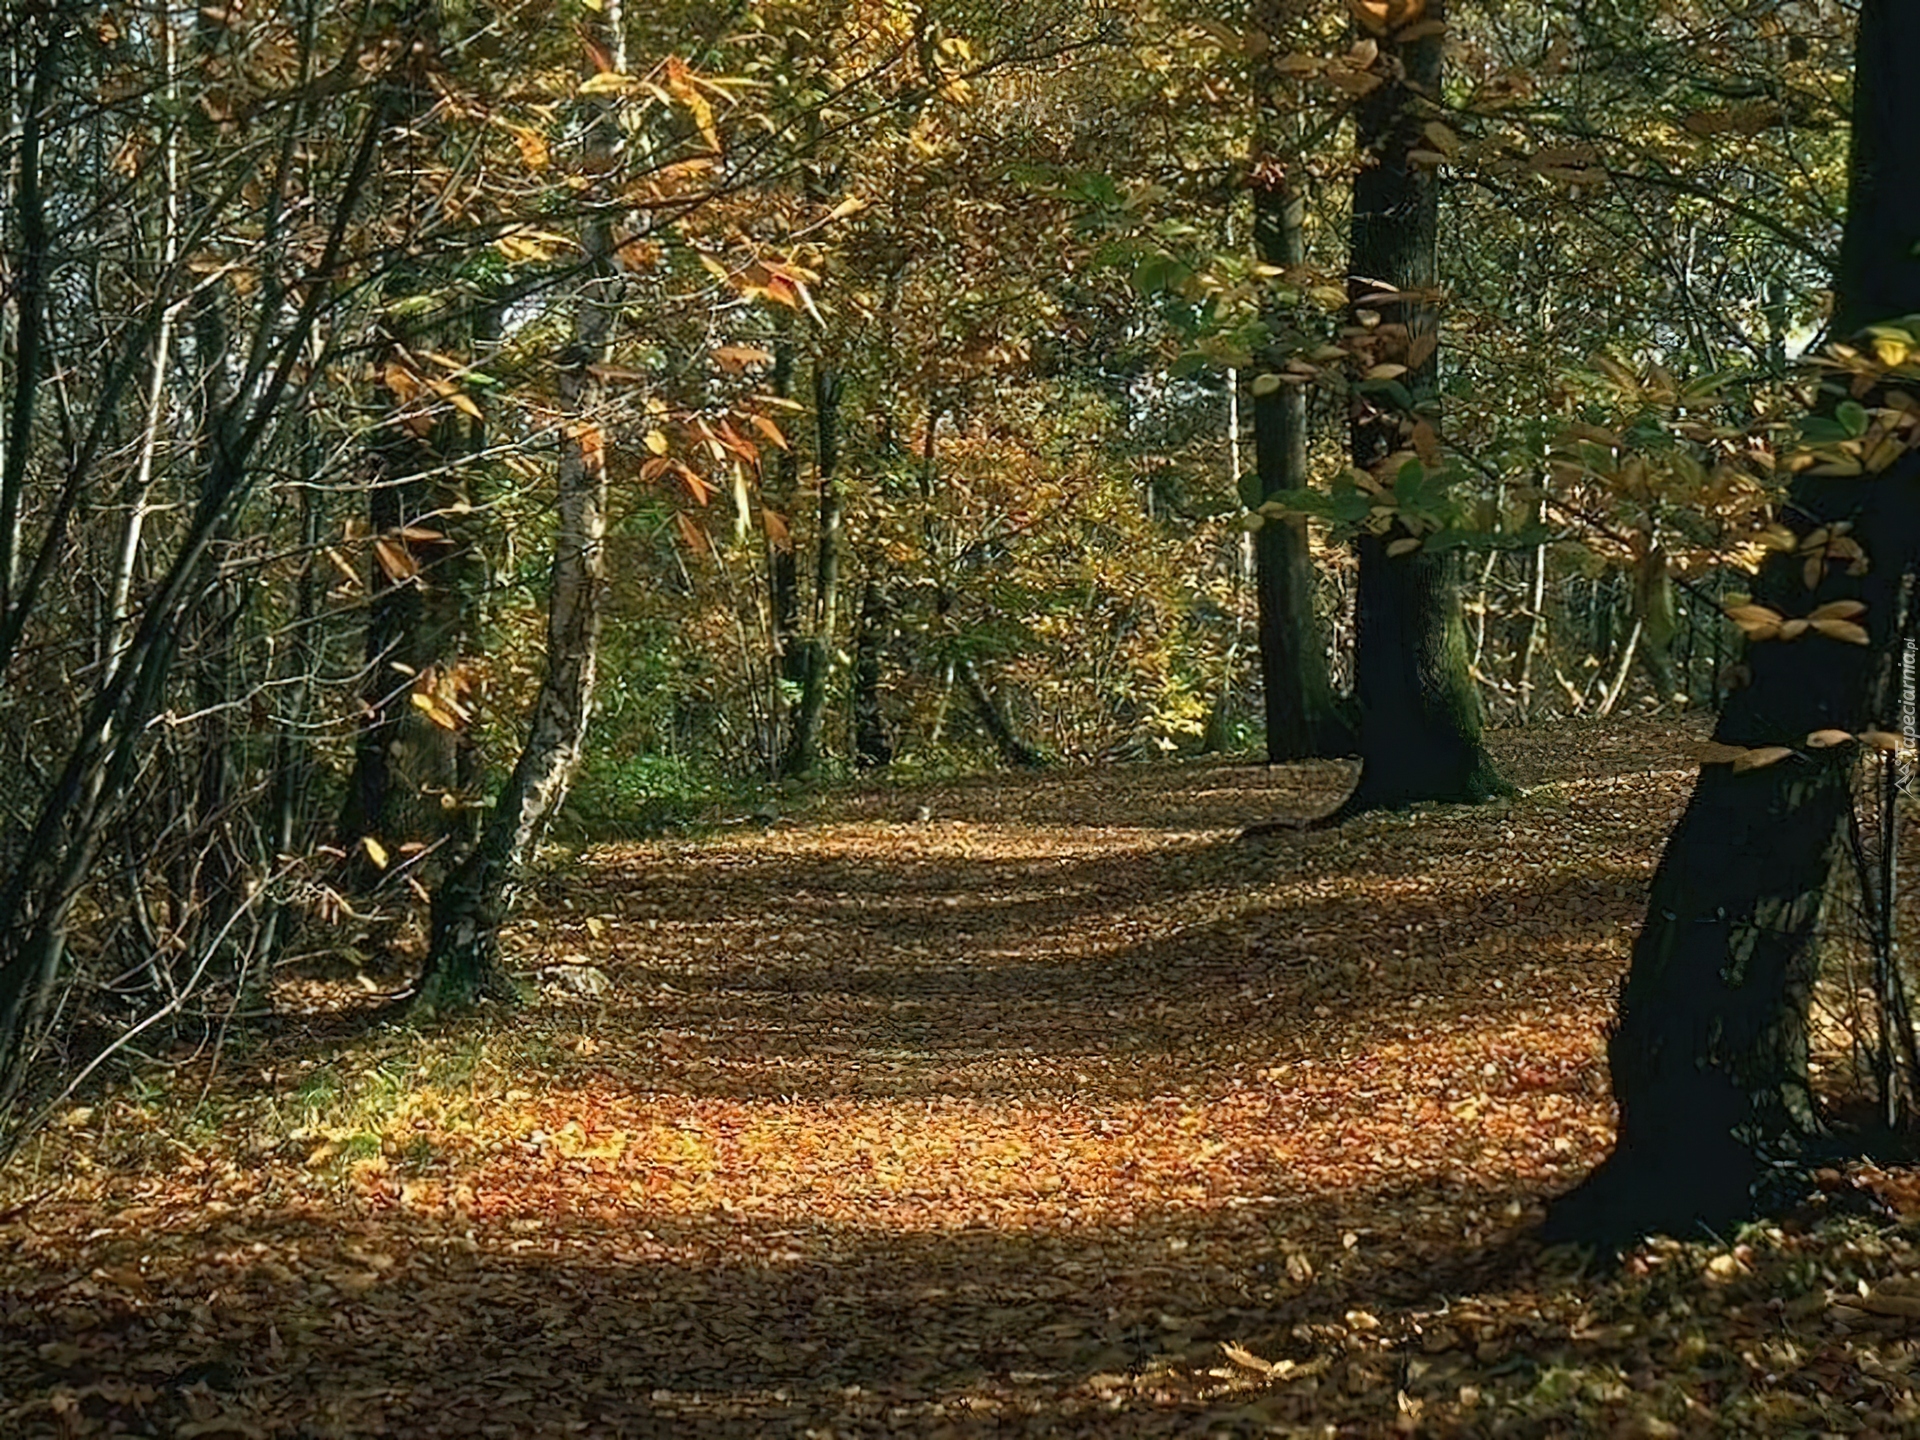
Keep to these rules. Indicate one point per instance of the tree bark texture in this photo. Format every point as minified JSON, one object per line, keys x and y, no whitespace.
{"x":421,"y":616}
{"x":1302,"y":717}
{"x":470,"y":904}
{"x":1420,"y":721}
{"x":1709,"y":1054}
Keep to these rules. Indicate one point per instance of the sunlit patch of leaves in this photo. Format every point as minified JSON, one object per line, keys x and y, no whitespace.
{"x":1010,"y":1106}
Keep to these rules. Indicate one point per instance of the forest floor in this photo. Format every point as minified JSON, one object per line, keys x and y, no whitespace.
{"x":1053,"y":1113}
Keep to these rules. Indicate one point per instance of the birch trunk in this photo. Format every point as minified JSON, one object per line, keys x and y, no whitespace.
{"x":463,"y":960}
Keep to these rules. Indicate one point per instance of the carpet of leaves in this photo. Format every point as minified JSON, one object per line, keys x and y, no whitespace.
{"x":1054,"y":1112}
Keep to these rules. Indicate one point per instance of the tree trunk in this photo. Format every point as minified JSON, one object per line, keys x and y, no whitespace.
{"x":420,"y":618}
{"x":788,"y":665}
{"x":872,"y":746}
{"x":419,"y":622}
{"x":472,"y":901}
{"x":1709,"y":1054}
{"x":1533,"y":630}
{"x":1419,"y":711}
{"x":1303,"y":720}
{"x":1658,"y":616}
{"x":803,"y":748}
{"x":999,"y":724}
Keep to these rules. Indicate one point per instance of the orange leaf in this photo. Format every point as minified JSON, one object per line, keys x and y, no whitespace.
{"x":691,"y":534}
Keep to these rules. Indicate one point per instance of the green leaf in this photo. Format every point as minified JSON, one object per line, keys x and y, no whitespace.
{"x":1819,"y":430}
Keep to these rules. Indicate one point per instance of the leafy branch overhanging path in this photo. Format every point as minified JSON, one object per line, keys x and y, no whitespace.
{"x":1056,"y":1113}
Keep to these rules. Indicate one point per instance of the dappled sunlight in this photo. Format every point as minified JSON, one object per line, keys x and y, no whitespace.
{"x":987,"y":1127}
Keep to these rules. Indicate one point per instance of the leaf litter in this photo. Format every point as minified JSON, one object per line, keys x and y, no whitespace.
{"x":1010,"y":1107}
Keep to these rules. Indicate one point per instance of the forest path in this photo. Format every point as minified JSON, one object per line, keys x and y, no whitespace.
{"x":1000,"y":1123}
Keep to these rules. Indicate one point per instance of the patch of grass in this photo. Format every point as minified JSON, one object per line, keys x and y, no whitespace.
{"x":621,"y":797}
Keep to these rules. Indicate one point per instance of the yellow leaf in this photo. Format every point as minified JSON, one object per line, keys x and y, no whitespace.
{"x":1839,"y":610}
{"x":1376,"y":15}
{"x":394,"y":559}
{"x":1265,"y":384}
{"x":1793,"y":629}
{"x":1246,"y":1358}
{"x":1843,"y":630}
{"x":608,"y":82}
{"x":680,"y":83}
{"x":1891,"y":351}
{"x":1827,"y":739}
{"x":1388,"y":371}
{"x":1405,"y":545}
{"x":1757,"y":622}
{"x":533,"y":146}
{"x":657,"y":442}
{"x":440,"y":714}
{"x":734,"y":359}
{"x":775,"y":524}
{"x":1761,"y":758}
{"x":376,"y":852}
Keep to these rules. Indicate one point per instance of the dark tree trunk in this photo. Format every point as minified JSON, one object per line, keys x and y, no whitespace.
{"x":1419,"y":712}
{"x":1709,"y":1055}
{"x":872,"y":745}
{"x":1303,"y":720}
{"x":998,"y":722}
{"x":803,"y":747}
{"x":408,"y":758}
{"x":421,"y":616}
{"x":783,"y":567}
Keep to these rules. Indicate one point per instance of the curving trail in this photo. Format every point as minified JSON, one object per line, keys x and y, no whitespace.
{"x":1055,"y":1114}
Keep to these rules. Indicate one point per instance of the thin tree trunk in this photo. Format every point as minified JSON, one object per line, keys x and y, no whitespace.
{"x":872,"y":745}
{"x":803,"y":748}
{"x":407,"y":755}
{"x":1709,"y":1054}
{"x":1302,"y":717}
{"x":1419,"y":711}
{"x":139,"y":500}
{"x":1657,"y":617}
{"x":789,"y":661}
{"x":1533,"y":631}
{"x":998,"y":722}
{"x":30,"y":318}
{"x":470,"y":904}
